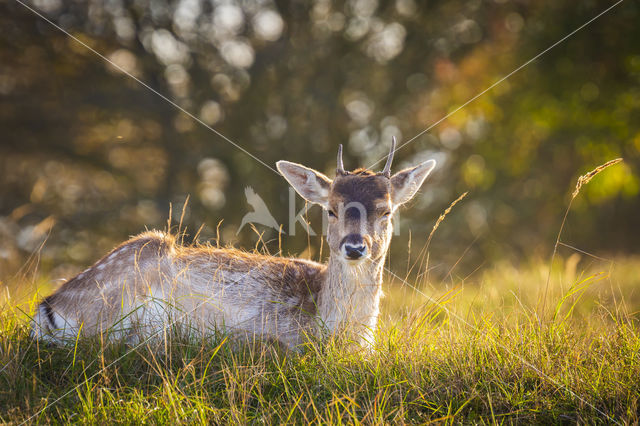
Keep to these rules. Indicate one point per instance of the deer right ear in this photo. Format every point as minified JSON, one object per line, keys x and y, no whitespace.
{"x":313,"y":186}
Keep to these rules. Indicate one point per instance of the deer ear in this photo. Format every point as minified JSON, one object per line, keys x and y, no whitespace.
{"x":313,"y":186}
{"x":406,"y":183}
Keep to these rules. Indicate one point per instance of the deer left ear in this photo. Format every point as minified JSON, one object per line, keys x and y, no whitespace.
{"x":405,"y":183}
{"x":313,"y":186}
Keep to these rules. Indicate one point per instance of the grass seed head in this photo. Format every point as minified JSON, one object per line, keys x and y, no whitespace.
{"x":584,"y":179}
{"x":444,"y":214}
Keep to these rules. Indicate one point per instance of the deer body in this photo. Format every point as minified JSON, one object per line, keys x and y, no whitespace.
{"x":151,"y":282}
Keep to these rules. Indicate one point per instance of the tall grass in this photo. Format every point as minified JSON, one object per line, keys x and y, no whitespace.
{"x":499,"y":364}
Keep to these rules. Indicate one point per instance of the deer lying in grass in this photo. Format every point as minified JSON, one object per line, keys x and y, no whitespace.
{"x":150,"y":281}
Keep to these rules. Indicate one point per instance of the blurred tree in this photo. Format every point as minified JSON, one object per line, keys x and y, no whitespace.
{"x":95,"y":156}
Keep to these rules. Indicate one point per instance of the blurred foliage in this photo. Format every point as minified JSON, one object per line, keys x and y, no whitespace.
{"x":89,"y":156}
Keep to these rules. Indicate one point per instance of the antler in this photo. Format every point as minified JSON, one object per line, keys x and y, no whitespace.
{"x":387,"y":167}
{"x":340,"y":166}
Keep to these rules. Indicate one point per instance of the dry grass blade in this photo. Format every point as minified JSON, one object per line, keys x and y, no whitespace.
{"x":443,"y":215}
{"x":584,"y":179}
{"x":425,"y":250}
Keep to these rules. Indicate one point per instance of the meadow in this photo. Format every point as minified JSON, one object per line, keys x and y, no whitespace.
{"x":483,"y":349}
{"x":113,"y":111}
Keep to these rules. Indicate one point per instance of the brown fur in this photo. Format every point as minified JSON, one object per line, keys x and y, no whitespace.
{"x":151,"y":282}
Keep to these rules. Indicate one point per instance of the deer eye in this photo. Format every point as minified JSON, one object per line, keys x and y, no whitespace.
{"x":385,"y":214}
{"x":332,"y":214}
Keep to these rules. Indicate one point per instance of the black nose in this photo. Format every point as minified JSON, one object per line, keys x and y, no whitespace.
{"x":354,"y":246}
{"x":355,"y":252}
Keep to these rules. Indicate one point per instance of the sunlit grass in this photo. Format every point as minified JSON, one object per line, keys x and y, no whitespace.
{"x":481,"y":352}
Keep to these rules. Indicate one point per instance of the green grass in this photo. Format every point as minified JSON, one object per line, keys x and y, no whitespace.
{"x":481,"y":354}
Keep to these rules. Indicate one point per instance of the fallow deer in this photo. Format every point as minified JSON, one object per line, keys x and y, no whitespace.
{"x":150,"y":279}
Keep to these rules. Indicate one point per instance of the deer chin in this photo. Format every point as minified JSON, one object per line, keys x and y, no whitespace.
{"x":354,"y":262}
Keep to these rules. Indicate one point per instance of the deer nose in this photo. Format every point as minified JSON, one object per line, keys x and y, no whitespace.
{"x":353,"y":247}
{"x":355,"y":252}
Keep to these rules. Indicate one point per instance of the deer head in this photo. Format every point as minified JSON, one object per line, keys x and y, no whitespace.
{"x":360,"y":203}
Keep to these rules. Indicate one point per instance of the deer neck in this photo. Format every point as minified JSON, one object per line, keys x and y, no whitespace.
{"x":350,"y":296}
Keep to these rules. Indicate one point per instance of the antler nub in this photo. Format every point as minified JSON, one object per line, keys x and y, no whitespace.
{"x":387,"y":167}
{"x":340,"y":166}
